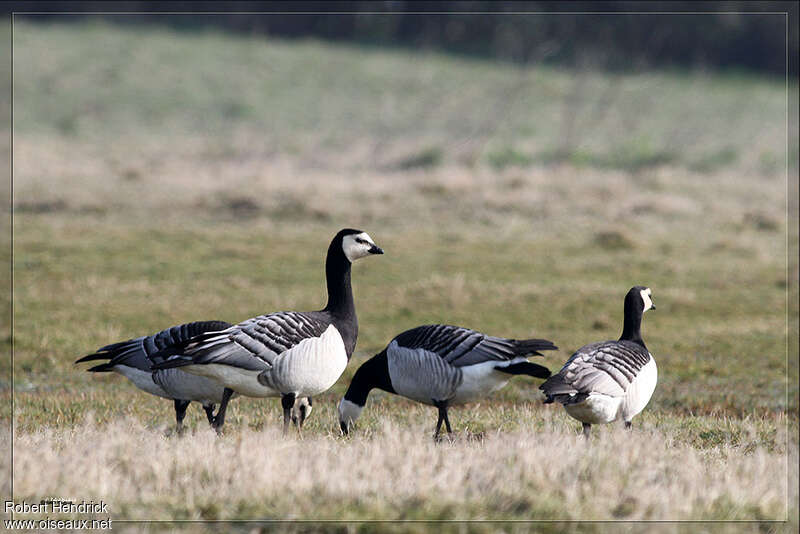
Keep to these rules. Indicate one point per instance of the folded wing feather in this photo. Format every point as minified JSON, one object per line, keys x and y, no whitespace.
{"x":606,"y":368}
{"x":254,"y":344}
{"x":461,"y":347}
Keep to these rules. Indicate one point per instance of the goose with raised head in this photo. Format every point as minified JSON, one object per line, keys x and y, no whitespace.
{"x":610,"y":380}
{"x":286,"y":354}
{"x":441,"y":365}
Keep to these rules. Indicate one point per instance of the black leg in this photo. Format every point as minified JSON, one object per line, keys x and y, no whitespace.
{"x":438,"y":424}
{"x":442,"y":407}
{"x":287,"y":401}
{"x":586,"y":429}
{"x":628,"y":425}
{"x":219,"y":419}
{"x":180,"y":413}
{"x":209,"y":409}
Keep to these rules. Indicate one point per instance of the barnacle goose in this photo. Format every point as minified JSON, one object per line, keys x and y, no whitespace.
{"x":609,"y":380}
{"x":130,"y":359}
{"x":285,"y":354}
{"x":441,"y":365}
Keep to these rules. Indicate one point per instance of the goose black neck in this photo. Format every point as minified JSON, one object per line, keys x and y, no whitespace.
{"x":337,"y":273}
{"x":374,"y":373}
{"x":632,"y":327}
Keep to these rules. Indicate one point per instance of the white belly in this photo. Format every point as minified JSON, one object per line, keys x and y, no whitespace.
{"x":311,"y":367}
{"x":142,"y":380}
{"x":640,"y":391}
{"x":242,"y":381}
{"x":187,"y":386}
{"x":595,"y":409}
{"x":482,"y":379}
{"x":599,"y":408}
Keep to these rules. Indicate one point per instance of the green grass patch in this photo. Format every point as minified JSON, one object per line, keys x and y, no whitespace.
{"x":425,"y":159}
{"x":630,"y":157}
{"x":509,"y":157}
{"x":714,"y":161}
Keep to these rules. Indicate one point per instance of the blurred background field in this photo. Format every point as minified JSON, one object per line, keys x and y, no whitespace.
{"x":163,"y":176}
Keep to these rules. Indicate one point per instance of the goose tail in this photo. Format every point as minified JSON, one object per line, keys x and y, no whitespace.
{"x":556,"y":389}
{"x":102,"y":368}
{"x":93,"y":357}
{"x":531,"y":347}
{"x":525,"y":368}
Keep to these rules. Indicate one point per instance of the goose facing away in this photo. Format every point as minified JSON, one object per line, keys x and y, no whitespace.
{"x":286,"y":354}
{"x":441,"y":365}
{"x":609,"y":380}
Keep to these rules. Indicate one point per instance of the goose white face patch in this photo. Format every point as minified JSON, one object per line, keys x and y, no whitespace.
{"x":349,"y":412}
{"x":301,"y":410}
{"x":648,"y":302}
{"x":357,"y":246}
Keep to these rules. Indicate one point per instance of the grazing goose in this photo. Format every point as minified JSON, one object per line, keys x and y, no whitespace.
{"x":609,"y":380}
{"x":285,"y":354}
{"x":441,"y":365}
{"x":130,"y":359}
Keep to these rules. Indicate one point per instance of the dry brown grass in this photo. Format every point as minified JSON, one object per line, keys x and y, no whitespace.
{"x":537,"y":472}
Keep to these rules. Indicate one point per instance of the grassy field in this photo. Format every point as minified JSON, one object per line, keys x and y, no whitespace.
{"x":161,"y":178}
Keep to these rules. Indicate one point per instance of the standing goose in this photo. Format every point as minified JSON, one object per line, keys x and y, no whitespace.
{"x":441,"y":365}
{"x":609,"y":380}
{"x":130,"y":359}
{"x":285,"y":354}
